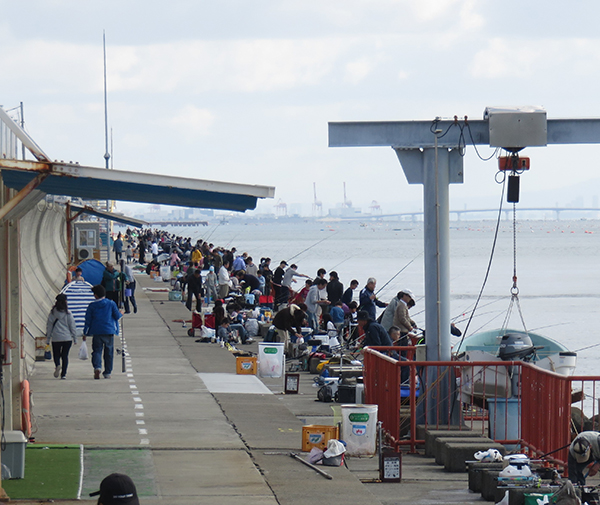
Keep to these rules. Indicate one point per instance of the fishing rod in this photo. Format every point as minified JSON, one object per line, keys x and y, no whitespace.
{"x":467,"y":311}
{"x":213,"y":231}
{"x":315,"y":244}
{"x":343,"y":261}
{"x":458,"y":321}
{"x":585,"y":348}
{"x":398,"y":273}
{"x":549,"y":326}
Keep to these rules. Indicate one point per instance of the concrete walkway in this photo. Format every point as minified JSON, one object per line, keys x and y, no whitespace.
{"x":181,"y":443}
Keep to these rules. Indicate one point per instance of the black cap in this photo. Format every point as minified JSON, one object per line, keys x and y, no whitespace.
{"x":362,"y":315}
{"x":117,"y":489}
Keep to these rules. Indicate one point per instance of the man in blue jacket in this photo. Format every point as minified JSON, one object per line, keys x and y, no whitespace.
{"x":368,"y":301}
{"x":102,"y":322}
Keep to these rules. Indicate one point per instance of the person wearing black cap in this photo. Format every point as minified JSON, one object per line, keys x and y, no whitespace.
{"x":117,"y":489}
{"x":375,"y":334}
{"x":583,"y":452}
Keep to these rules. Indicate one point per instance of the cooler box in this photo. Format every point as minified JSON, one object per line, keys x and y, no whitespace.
{"x":315,"y":435}
{"x":13,"y":456}
{"x":359,"y":429}
{"x":175,"y":296}
{"x":245,"y":365}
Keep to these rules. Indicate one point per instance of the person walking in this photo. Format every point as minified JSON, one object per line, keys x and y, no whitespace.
{"x":110,"y":282}
{"x":62,"y":332}
{"x":130,"y":285}
{"x":118,"y":248}
{"x":102,"y":323}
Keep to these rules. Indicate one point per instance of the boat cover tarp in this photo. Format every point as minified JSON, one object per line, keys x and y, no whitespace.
{"x":92,"y":271}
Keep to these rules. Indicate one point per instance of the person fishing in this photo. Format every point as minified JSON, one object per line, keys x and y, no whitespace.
{"x":368,"y":300}
{"x":584,"y":452}
{"x":401,"y":317}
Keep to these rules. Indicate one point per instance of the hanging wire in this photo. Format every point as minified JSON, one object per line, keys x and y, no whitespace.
{"x":468,"y":126}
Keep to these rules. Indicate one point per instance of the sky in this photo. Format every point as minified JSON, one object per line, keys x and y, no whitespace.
{"x":243,"y":90}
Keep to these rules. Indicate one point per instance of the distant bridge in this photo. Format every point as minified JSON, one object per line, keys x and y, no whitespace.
{"x":178,"y":223}
{"x":459,"y":213}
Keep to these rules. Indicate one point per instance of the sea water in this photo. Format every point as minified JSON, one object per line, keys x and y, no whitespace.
{"x":558,"y":275}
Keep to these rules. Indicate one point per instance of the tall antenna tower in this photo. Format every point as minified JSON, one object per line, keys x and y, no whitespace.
{"x":347,"y":203}
{"x":317,"y":204}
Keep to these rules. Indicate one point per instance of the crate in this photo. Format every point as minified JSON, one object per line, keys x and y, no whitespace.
{"x":316,"y":435}
{"x":174,"y":296}
{"x":245,"y":365}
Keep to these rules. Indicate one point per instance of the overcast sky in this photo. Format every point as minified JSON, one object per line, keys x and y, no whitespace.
{"x":243,"y":90}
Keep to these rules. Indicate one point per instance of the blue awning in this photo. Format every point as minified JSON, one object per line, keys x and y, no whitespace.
{"x":102,"y":184}
{"x":129,"y":221}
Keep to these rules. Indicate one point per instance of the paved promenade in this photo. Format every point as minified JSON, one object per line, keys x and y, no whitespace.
{"x":167,"y":422}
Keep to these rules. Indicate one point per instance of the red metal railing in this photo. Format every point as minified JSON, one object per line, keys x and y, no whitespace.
{"x":525,"y":404}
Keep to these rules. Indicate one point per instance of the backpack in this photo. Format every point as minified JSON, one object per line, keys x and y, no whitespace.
{"x":325,"y":394}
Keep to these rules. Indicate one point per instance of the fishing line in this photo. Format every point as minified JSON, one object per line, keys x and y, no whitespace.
{"x":487,"y":273}
{"x":550,"y":326}
{"x":483,"y":326}
{"x":398,"y":273}
{"x":213,"y":230}
{"x":343,"y":261}
{"x":585,"y":348}
{"x":467,"y":311}
{"x":309,"y":248}
{"x":478,"y":315}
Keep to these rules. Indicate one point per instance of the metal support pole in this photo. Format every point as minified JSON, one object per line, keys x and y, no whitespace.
{"x":436,"y":212}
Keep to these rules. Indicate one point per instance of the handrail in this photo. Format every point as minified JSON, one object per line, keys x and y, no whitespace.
{"x":539,"y":400}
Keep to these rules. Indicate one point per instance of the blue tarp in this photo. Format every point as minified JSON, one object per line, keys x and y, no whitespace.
{"x":92,"y":271}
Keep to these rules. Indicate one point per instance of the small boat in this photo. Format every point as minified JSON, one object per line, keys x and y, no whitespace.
{"x":509,"y":345}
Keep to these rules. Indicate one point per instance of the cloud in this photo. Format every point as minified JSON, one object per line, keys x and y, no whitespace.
{"x":521,"y":58}
{"x":193,"y":121}
{"x":358,"y":69}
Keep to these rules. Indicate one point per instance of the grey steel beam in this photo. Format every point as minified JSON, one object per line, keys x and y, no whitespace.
{"x":418,"y":134}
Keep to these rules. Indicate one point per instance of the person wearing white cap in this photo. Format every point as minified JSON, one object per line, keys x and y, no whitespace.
{"x":584,"y":451}
{"x":401,"y":318}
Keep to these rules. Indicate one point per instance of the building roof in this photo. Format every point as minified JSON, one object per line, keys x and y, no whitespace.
{"x":101,"y":184}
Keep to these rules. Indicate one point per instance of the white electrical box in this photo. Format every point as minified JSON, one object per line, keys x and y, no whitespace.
{"x":517,"y":127}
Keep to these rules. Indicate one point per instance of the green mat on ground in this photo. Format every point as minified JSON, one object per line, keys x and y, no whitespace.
{"x":51,"y":472}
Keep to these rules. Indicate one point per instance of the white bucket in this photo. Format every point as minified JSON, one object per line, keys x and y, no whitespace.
{"x":359,"y":429}
{"x":271,"y":360}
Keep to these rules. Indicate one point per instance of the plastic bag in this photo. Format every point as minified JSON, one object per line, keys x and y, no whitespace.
{"x":47,"y":352}
{"x":83,"y":351}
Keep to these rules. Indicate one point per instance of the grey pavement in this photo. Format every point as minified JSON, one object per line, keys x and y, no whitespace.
{"x":183,"y":444}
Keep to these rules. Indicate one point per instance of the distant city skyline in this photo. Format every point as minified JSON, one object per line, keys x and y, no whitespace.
{"x":243,"y":91}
